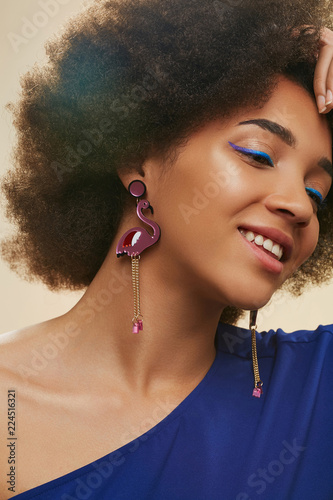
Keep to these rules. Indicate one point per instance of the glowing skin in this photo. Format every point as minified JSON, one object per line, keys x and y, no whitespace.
{"x":201,"y":263}
{"x":260,"y":157}
{"x":214,"y":189}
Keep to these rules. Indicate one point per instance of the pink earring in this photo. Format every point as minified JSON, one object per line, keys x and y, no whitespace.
{"x":257,"y":391}
{"x":134,"y":242}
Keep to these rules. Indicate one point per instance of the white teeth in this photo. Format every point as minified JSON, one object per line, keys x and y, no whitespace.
{"x":277,"y":250}
{"x":260,"y":240}
{"x":249,"y":236}
{"x":268,"y":245}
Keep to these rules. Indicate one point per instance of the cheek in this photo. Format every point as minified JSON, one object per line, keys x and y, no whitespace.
{"x":211,"y":196}
{"x":202,"y":193}
{"x":212,"y":181}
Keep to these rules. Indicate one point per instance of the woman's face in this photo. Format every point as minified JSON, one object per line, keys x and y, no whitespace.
{"x":235,"y":224}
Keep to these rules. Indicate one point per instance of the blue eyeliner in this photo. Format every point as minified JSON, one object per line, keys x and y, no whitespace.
{"x":317,"y":195}
{"x":252,"y":152}
{"x":313,"y":193}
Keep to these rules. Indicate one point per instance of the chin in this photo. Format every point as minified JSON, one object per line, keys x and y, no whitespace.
{"x":251,"y":302}
{"x":245,"y":288}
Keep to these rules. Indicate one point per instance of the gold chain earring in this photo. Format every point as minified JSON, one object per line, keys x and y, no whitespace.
{"x":257,"y":391}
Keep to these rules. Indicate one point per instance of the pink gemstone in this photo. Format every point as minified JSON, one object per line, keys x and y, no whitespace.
{"x":257,"y":392}
{"x":140,"y":323}
{"x":136,"y":328}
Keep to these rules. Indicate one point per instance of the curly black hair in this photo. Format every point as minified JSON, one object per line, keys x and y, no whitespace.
{"x":128,"y":78}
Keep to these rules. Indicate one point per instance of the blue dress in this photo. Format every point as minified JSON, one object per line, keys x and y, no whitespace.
{"x":222,"y":443}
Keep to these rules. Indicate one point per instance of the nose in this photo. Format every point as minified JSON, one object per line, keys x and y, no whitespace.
{"x":292,"y":203}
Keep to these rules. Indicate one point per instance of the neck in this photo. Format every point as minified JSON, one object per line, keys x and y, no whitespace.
{"x":179,"y":328}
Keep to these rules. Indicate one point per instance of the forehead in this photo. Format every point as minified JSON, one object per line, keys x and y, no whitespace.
{"x":293,"y":108}
{"x":289,"y":107}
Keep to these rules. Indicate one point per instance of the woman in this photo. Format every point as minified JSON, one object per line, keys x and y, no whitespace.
{"x":205,"y":112}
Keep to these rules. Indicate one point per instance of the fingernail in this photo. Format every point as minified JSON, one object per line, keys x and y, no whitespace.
{"x":329,"y":97}
{"x":321,"y":103}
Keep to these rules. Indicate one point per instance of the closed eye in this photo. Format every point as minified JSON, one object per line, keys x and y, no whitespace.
{"x":257,"y":156}
{"x":316,"y":196}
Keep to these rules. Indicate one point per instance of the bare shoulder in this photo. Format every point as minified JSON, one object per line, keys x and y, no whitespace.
{"x":27,"y":352}
{"x":13,"y":355}
{"x":21,"y":354}
{"x":29,"y":358}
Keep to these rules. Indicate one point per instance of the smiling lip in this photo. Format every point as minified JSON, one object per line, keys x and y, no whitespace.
{"x":275,"y":235}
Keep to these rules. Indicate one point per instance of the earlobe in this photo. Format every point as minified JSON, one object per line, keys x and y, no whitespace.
{"x":149,"y":172}
{"x":129,"y":175}
{"x":145,"y":172}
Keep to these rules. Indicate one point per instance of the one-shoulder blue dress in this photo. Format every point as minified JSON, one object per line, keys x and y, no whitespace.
{"x":221,"y":443}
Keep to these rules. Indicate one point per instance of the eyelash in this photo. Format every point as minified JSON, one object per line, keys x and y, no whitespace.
{"x":316,"y":197}
{"x":252,"y":153}
{"x":263,"y":157}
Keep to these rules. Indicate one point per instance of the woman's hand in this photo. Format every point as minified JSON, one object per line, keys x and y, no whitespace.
{"x":323,"y":79}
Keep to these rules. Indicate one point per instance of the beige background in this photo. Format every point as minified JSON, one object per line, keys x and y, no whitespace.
{"x":25,"y":303}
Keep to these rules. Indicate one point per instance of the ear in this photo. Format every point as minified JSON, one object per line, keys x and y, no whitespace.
{"x":144,"y":173}
{"x":128,"y":175}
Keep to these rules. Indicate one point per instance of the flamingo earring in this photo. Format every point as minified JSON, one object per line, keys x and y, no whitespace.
{"x":134,"y":242}
{"x":257,"y":391}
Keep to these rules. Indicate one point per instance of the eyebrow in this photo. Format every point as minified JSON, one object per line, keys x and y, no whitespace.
{"x":287,"y":137}
{"x":275,"y":128}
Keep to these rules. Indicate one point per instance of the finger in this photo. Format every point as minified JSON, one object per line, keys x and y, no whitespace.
{"x":329,"y":89}
{"x":323,"y":78}
{"x":326,"y":37}
{"x":325,"y":105}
